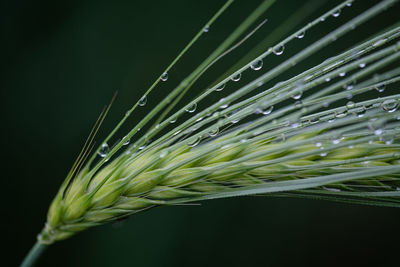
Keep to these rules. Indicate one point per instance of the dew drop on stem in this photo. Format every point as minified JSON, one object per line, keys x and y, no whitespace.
{"x":104,"y":150}
{"x":376,"y":127}
{"x":278,"y":49}
{"x":164,"y":77}
{"x":362,"y":112}
{"x":380,"y":87}
{"x":350,"y":105}
{"x":195,"y":142}
{"x":126,"y":142}
{"x":297,"y":95}
{"x":300,"y":35}
{"x":191,"y":108}
{"x":213,"y":132}
{"x":220,"y":88}
{"x":336,"y":13}
{"x":143,"y":101}
{"x":225,"y":105}
{"x":265,"y":111}
{"x":390,"y":105}
{"x":257,"y":64}
{"x":164,"y":153}
{"x":206,"y":28}
{"x":349,"y":85}
{"x":236,"y":77}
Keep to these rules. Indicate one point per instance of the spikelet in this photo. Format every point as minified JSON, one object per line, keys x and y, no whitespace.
{"x":255,"y":144}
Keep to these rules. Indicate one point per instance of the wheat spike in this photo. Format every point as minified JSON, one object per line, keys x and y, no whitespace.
{"x":302,"y":137}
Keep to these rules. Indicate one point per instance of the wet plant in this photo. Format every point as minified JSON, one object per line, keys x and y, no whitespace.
{"x":294,"y":138}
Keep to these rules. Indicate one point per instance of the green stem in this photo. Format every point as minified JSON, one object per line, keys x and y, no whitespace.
{"x":33,"y":254}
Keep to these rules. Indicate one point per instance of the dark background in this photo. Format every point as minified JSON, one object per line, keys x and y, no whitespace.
{"x":63,"y":60}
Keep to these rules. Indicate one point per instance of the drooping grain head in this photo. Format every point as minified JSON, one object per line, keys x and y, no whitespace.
{"x":293,"y":138}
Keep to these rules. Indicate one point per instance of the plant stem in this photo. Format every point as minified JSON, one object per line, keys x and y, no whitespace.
{"x":33,"y":254}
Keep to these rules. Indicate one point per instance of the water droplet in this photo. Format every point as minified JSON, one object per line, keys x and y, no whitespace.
{"x":298,"y":104}
{"x":213,"y":132}
{"x":143,"y":101}
{"x":390,"y":105}
{"x":362,"y":112}
{"x":327,"y":79}
{"x":192,"y":108}
{"x":127,"y":141}
{"x":164,"y":153}
{"x":216,"y":114}
{"x":236,"y":77}
{"x":297,"y":95}
{"x":220,"y":88}
{"x":349,"y":96}
{"x":268,"y":110}
{"x":223,"y":105}
{"x":173,"y":120}
{"x":325,"y":104}
{"x":296,"y":125}
{"x":318,"y":144}
{"x":389,"y":140}
{"x":234,"y":121}
{"x":322,"y":19}
{"x":350,"y":104}
{"x":195,"y":142}
{"x":349,"y":4}
{"x":278,"y":49}
{"x":300,"y":35}
{"x":336,"y":13}
{"x":362,"y":65}
{"x":323,"y":154}
{"x":380,"y":87}
{"x":349,"y":85}
{"x":257,"y":64}
{"x":379,"y":42}
{"x":206,"y":28}
{"x":164,"y":77}
{"x":376,"y":126}
{"x":336,"y":141}
{"x":341,"y":114}
{"x":342,"y":74}
{"x":104,"y":150}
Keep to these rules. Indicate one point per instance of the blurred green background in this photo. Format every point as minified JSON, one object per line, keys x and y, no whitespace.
{"x":62,"y":62}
